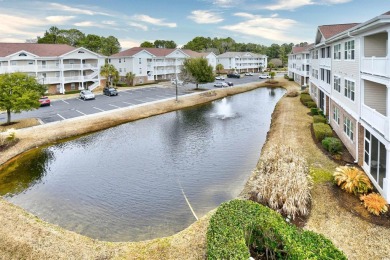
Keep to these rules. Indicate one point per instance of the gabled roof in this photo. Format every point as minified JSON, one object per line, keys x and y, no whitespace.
{"x":299,"y":49}
{"x":158,"y":52}
{"x":328,"y":31}
{"x":39,"y":49}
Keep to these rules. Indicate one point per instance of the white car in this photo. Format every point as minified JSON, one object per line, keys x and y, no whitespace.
{"x":220,"y":78}
{"x":86,"y":94}
{"x":221,"y":85}
{"x":264,"y":76}
{"x":249,"y":74}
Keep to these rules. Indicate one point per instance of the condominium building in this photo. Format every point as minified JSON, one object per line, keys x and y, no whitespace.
{"x":298,"y":64}
{"x":151,"y":64}
{"x":59,"y":66}
{"x":242,"y":61}
{"x":350,"y":81}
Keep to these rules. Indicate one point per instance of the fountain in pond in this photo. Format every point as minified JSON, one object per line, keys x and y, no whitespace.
{"x":224,"y":110}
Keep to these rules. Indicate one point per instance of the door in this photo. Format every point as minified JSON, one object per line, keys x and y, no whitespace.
{"x":322,"y":101}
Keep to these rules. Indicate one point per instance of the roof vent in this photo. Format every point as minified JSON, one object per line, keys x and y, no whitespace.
{"x":81,"y":52}
{"x":23,"y":54}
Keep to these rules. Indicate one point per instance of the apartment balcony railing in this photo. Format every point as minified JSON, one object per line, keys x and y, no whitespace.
{"x":51,"y":80}
{"x":376,"y":66}
{"x":376,"y":120}
{"x":72,"y":66}
{"x":48,"y":67}
{"x":15,"y":68}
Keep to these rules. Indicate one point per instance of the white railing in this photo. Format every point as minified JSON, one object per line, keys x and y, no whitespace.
{"x":73,"y":78}
{"x":94,"y":85}
{"x":23,"y":68}
{"x":376,"y":66}
{"x":91,"y":76}
{"x":90,"y":66}
{"x":51,"y":80}
{"x":375,"y":119}
{"x":72,"y":66}
{"x":49,"y":67}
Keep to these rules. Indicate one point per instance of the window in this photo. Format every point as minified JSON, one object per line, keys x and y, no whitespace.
{"x":336,"y":115}
{"x":140,"y":71}
{"x":348,"y":127}
{"x":349,"y":50}
{"x":328,"y":54}
{"x":13,"y":63}
{"x":109,"y":60}
{"x":322,"y":74}
{"x":124,"y":69}
{"x":337,"y":52}
{"x":336,"y":83}
{"x":72,"y":86}
{"x":120,"y":60}
{"x":30,"y":62}
{"x":124,"y":59}
{"x":327,"y":76}
{"x":315,"y":73}
{"x":139,"y":61}
{"x":323,"y":53}
{"x":349,"y":90}
{"x":70,"y":62}
{"x":120,"y":69}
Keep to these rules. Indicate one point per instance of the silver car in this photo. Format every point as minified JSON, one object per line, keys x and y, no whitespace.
{"x":86,"y":94}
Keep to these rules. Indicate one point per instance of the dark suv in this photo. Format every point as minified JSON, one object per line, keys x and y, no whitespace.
{"x":233,"y":75}
{"x":110,"y":91}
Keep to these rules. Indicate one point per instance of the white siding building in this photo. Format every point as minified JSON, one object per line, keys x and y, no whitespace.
{"x":59,"y":66}
{"x":350,"y":81}
{"x":298,"y":64}
{"x":151,"y":64}
{"x":242,"y":61}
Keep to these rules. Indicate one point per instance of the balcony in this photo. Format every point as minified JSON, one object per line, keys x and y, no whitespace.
{"x":73,"y":78}
{"x":52,"y":80}
{"x":72,"y":66}
{"x":24,"y":68}
{"x":48,"y":67}
{"x":376,"y":66}
{"x":376,"y":120}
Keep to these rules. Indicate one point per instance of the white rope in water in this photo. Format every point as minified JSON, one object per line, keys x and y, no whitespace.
{"x":185,"y":197}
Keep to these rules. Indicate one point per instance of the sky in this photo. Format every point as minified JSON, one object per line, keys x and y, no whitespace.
{"x":133,"y":22}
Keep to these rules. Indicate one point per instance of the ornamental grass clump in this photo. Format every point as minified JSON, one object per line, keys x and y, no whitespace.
{"x":7,"y":136}
{"x":374,"y":203}
{"x":282,"y":181}
{"x":352,"y":180}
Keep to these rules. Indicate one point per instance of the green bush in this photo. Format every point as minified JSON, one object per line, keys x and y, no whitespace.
{"x":321,"y":131}
{"x":240,"y":224}
{"x":311,"y":104}
{"x":291,"y":79}
{"x":305,"y":98}
{"x":319,"y":119}
{"x":333,"y":145}
{"x":314,"y":111}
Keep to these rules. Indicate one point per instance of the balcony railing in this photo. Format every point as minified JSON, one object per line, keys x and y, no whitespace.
{"x":24,"y":68}
{"x":51,"y":80}
{"x":48,"y":67}
{"x":72,"y":66}
{"x":376,"y":120}
{"x":376,"y":66}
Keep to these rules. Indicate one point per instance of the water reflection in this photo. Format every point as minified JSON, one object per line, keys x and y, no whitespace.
{"x":25,"y":172}
{"x":124,"y":183}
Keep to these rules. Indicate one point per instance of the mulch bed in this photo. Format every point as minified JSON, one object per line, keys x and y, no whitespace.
{"x":8,"y":145}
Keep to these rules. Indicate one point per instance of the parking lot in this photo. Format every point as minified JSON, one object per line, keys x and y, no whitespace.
{"x":63,"y":109}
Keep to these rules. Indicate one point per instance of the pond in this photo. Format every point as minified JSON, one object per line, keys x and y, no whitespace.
{"x":149,"y":178}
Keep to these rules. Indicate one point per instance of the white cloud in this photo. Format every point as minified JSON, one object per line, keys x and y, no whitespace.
{"x":155,"y":21}
{"x":138,"y":25}
{"x":86,"y":24}
{"x":271,"y":28}
{"x":12,"y":26}
{"x":294,"y":4}
{"x":226,"y":3}
{"x":128,"y":43}
{"x":109,"y":22}
{"x":74,"y":10}
{"x":204,"y":16}
{"x":59,"y":19}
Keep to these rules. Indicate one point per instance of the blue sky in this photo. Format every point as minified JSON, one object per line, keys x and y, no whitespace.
{"x":133,"y":22}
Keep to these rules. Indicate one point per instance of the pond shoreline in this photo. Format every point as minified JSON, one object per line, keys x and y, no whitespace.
{"x":17,"y":240}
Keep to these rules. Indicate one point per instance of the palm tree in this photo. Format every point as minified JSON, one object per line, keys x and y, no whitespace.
{"x":219,"y":67}
{"x":130,"y":78}
{"x":108,"y":71}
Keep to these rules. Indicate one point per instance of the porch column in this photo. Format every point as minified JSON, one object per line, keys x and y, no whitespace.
{"x":386,"y":180}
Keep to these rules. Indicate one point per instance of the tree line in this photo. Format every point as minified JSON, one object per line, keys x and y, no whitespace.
{"x":110,"y":45}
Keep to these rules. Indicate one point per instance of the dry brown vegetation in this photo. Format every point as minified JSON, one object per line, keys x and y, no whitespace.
{"x":23,"y":236}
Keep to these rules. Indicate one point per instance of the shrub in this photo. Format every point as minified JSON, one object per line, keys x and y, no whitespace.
{"x":314,"y":111}
{"x":305,"y":98}
{"x":292,"y":93}
{"x":291,"y":79}
{"x":7,"y":136}
{"x":352,"y":180}
{"x":241,"y":225}
{"x":282,"y":181}
{"x":311,"y":104}
{"x":319,"y":119}
{"x":374,"y":203}
{"x":286,"y":76}
{"x":321,"y":131}
{"x":333,"y":145}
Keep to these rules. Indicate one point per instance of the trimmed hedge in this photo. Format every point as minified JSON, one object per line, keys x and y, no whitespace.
{"x":319,"y":119}
{"x":305,"y":98}
{"x":321,"y":131}
{"x":314,"y":111}
{"x":333,"y":145}
{"x":311,"y":104}
{"x":241,"y":224}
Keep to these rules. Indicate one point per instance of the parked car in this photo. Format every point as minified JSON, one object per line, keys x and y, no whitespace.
{"x":264,"y":76}
{"x":44,"y":101}
{"x":249,"y":74}
{"x":233,"y":75}
{"x":221,"y":85}
{"x":230,"y":84}
{"x":219,"y":78}
{"x":86,"y":94}
{"x":109,"y":91}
